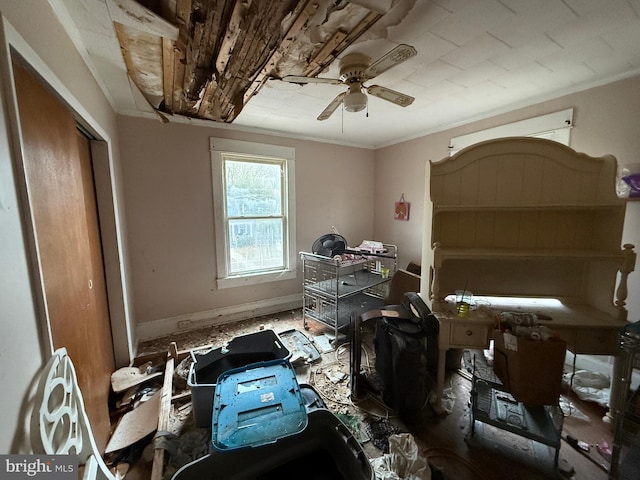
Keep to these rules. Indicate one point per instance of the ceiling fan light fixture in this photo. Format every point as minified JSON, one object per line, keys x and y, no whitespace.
{"x":355,"y":101}
{"x":356,"y":69}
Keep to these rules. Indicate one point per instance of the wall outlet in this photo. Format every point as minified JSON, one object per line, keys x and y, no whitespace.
{"x":182,"y":324}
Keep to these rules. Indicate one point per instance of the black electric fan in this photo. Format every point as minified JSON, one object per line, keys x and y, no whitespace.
{"x":330,"y":245}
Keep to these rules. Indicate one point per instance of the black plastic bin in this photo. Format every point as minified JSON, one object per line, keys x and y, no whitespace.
{"x":324,"y":450}
{"x":242,"y":350}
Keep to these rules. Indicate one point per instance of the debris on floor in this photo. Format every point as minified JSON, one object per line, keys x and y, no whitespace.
{"x":301,"y":348}
{"x":589,"y":386}
{"x":141,"y":411}
{"x":324,"y":343}
{"x":136,"y":424}
{"x":128,"y":377}
{"x":371,"y":422}
{"x":379,"y":430}
{"x":404,"y":461}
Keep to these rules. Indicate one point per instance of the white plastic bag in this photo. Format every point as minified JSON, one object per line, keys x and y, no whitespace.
{"x":403,"y":462}
{"x":628,"y":180}
{"x":590,"y":386}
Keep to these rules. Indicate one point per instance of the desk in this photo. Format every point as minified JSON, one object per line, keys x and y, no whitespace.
{"x":470,"y":331}
{"x":585,"y":329}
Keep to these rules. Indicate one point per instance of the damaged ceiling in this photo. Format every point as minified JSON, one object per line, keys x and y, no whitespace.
{"x":206,"y":59}
{"x":221,"y":63}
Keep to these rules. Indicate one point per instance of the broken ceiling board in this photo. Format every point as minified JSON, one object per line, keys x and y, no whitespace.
{"x":208,"y":25}
{"x":231,"y":36}
{"x":127,"y":377}
{"x":301,"y":22}
{"x":380,"y":6}
{"x":237,"y":76}
{"x":168,"y":72}
{"x":353,"y":34}
{"x":142,"y":54}
{"x":164,"y":413}
{"x":182,"y":19}
{"x":136,"y":16}
{"x":168,"y":10}
{"x":205,"y":59}
{"x":260,"y":38}
{"x":330,"y":46}
{"x":205,"y":104}
{"x":178,"y":74}
{"x":136,"y":424}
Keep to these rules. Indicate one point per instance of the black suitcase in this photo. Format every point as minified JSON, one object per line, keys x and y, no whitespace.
{"x":401,"y":343}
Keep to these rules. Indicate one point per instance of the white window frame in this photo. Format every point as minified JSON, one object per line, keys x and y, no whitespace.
{"x":220,"y":146}
{"x":553,"y":126}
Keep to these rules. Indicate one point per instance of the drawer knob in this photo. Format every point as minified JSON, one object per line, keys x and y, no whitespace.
{"x":469,"y":333}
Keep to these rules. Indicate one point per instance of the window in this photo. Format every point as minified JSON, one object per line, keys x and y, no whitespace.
{"x":553,"y":126}
{"x":253,"y":194}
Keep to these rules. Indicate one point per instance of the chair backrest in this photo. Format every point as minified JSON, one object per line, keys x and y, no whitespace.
{"x":59,"y":423}
{"x":402,"y":282}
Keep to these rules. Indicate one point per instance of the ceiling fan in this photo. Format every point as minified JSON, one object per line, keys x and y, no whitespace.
{"x":355,"y":70}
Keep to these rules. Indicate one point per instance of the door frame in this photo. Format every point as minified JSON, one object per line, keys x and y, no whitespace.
{"x":106,"y":178}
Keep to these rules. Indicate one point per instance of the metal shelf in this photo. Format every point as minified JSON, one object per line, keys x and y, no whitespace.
{"x":323,"y":310}
{"x":335,"y":289}
{"x":625,"y":456}
{"x":491,"y":403}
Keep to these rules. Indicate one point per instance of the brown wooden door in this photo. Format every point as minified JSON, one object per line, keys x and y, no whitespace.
{"x":60,"y":188}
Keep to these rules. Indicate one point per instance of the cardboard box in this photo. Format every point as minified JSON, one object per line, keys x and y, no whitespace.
{"x":530,"y":369}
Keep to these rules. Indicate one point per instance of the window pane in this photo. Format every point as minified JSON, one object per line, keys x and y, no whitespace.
{"x":255,"y":245}
{"x":253,"y":189}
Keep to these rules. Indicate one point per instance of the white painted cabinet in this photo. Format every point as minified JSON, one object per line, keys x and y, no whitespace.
{"x":526,"y":217}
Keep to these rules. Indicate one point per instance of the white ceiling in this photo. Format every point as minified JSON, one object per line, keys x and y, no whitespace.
{"x":476,"y":58}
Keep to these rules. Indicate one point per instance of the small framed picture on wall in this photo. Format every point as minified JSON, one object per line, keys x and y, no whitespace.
{"x":402,"y":209}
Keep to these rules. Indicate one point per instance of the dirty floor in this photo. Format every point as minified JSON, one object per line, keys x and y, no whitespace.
{"x":491,"y":453}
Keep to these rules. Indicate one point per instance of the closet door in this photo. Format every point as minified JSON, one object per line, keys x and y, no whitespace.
{"x":61,"y":200}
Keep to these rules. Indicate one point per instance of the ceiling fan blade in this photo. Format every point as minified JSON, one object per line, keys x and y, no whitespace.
{"x":335,"y":103}
{"x":390,"y":95}
{"x":297,"y":79}
{"x":394,"y":57}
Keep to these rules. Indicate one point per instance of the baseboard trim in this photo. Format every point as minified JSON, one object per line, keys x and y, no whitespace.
{"x":219,"y":316}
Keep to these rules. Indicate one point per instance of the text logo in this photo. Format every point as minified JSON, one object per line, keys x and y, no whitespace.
{"x":49,"y":467}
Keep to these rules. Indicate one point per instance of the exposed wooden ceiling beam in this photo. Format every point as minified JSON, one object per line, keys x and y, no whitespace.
{"x":168,"y":73}
{"x":325,"y":54}
{"x":260,"y":38}
{"x":307,"y":10}
{"x":214,"y":56}
{"x":131,"y":14}
{"x":320,"y":64}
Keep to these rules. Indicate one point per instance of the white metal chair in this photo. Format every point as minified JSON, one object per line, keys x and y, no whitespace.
{"x":59,"y":423}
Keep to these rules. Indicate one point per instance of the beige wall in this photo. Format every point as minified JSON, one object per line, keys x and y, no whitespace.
{"x":31,"y":28}
{"x":168,"y":192}
{"x":167,"y":185}
{"x":165,"y":181}
{"x":606,"y":121}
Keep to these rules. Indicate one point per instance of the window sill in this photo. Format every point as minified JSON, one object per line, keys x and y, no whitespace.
{"x":231,"y":282}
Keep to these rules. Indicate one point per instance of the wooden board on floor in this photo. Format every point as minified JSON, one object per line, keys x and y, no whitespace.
{"x":136,"y":424}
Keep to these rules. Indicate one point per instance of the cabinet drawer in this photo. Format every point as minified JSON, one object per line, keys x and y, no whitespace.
{"x":469,"y":335}
{"x":598,"y":341}
{"x":566,"y":334}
